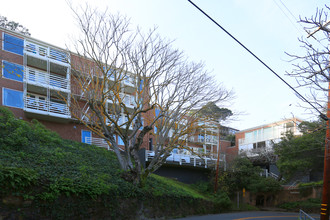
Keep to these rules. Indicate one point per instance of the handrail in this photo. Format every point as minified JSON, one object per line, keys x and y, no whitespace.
{"x":100,"y":142}
{"x":304,"y":215}
{"x":48,"y":52}
{"x":46,"y":106}
{"x":184,"y":159}
{"x":35,"y":76}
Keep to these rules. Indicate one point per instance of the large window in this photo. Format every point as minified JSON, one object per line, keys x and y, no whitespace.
{"x":120,"y":141}
{"x":12,"y":71}
{"x":13,"y":44}
{"x":12,"y":98}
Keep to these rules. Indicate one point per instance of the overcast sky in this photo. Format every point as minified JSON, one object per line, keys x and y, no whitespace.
{"x":267,"y":27}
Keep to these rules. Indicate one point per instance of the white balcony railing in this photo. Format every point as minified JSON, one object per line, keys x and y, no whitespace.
{"x":47,"y":52}
{"x":100,"y":142}
{"x":46,"y":107}
{"x":41,"y":78}
{"x":128,"y":100}
{"x":184,"y":159}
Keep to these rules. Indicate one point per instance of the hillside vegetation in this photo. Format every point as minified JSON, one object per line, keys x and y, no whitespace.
{"x":43,"y":176}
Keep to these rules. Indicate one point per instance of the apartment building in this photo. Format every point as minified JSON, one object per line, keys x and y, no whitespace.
{"x":261,"y":138}
{"x":35,"y":77}
{"x":202,"y":147}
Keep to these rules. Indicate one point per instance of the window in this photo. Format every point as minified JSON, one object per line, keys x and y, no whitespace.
{"x":132,"y":99}
{"x":142,"y":122}
{"x":200,"y":138}
{"x":13,"y":44}
{"x":157,"y":112}
{"x":150,"y":144}
{"x":12,"y":71}
{"x":12,"y":98}
{"x":141,"y":85}
{"x":120,"y":141}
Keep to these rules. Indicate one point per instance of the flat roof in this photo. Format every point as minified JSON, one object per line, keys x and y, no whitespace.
{"x":267,"y":125}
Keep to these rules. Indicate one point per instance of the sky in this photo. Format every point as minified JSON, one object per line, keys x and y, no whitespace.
{"x":269,"y":28}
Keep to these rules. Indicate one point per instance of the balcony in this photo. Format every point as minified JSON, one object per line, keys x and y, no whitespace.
{"x":44,"y":52}
{"x":211,"y":140}
{"x":128,"y":100}
{"x":44,"y":79}
{"x":42,"y":106}
{"x":187,"y":160}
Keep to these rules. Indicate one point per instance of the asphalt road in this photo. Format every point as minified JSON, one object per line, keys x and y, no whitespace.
{"x":262,"y":215}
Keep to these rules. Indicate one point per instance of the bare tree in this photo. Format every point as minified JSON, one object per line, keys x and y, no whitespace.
{"x":311,"y":70}
{"x":126,"y":82}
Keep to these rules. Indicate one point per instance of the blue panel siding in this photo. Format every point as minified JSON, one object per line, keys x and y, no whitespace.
{"x":13,"y":44}
{"x":13,"y":71}
{"x":12,"y":98}
{"x":85,"y":134}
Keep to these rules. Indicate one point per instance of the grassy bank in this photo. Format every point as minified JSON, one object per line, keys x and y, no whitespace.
{"x":44,"y":176}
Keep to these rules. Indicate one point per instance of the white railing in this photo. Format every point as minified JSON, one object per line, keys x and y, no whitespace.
{"x":207,"y":140}
{"x":100,"y":142}
{"x":184,"y":159}
{"x":46,"y":107}
{"x":211,"y":140}
{"x":47,"y":52}
{"x":41,"y":78}
{"x":127,"y":99}
{"x":202,"y":140}
{"x":303,"y":215}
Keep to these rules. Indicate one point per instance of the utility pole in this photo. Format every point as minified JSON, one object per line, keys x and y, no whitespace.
{"x":324,"y":214}
{"x":326,"y":173}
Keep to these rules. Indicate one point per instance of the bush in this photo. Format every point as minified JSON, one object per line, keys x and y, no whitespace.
{"x":308,"y":204}
{"x":222,"y":200}
{"x":17,"y":178}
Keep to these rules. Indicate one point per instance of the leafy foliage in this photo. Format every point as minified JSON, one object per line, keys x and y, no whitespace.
{"x":211,"y":110}
{"x":305,"y":205}
{"x":164,"y":186}
{"x":245,"y":175}
{"x":301,"y":154}
{"x":39,"y":166}
{"x":13,"y":26}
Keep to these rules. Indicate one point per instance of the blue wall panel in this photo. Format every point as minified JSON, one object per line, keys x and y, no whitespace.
{"x":13,"y":71}
{"x":13,"y":98}
{"x":13,"y":44}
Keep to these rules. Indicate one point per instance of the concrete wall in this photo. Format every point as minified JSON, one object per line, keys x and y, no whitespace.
{"x":285,"y":195}
{"x":184,"y":174}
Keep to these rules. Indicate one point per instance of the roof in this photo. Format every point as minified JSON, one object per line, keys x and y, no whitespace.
{"x":267,"y":125}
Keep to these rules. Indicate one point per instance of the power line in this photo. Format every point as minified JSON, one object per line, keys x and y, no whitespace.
{"x":323,"y":116}
{"x":297,"y":21}
{"x":287,"y":15}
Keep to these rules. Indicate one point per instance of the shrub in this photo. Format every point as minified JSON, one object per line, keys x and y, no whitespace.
{"x":17,"y":178}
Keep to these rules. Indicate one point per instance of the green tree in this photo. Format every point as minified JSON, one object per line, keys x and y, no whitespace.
{"x":244,"y":175}
{"x":13,"y":26}
{"x":211,"y":110}
{"x":301,"y":154}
